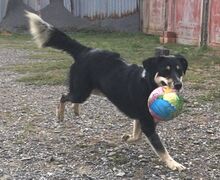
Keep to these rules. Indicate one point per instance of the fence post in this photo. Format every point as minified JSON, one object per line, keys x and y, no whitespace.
{"x":204,"y":26}
{"x":141,"y":15}
{"x":161,"y":51}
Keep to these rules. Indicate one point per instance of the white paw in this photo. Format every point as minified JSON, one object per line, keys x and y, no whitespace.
{"x":172,"y":164}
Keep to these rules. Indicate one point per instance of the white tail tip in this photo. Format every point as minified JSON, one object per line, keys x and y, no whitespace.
{"x":39,"y":29}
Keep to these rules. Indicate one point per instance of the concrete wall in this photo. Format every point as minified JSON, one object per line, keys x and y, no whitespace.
{"x":56,"y":14}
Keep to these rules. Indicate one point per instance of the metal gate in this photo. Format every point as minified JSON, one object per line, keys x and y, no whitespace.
{"x":185,"y":18}
{"x":214,"y":23}
{"x":153,"y":13}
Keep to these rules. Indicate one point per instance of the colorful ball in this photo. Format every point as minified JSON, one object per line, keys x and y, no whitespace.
{"x":164,"y":104}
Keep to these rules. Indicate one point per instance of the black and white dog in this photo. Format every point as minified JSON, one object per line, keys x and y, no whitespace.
{"x":126,"y":86}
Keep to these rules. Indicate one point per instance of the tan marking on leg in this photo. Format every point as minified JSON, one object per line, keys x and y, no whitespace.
{"x":60,"y":111}
{"x":76,"y":108}
{"x":137,"y":132}
{"x":170,"y":162}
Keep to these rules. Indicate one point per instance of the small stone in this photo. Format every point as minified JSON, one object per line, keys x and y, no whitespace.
{"x":6,"y":177}
{"x":157,"y":167}
{"x":1,"y":172}
{"x":188,"y":178}
{"x":209,"y":131}
{"x":120,"y":173}
{"x":49,"y":174}
{"x":140,"y":156}
{"x":26,"y":158}
{"x":50,"y":159}
{"x":111,"y":153}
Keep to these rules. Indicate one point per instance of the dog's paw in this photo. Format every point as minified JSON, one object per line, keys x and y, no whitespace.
{"x":173,"y":165}
{"x":130,"y":139}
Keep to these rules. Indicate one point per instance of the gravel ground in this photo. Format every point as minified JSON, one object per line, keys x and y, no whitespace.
{"x":33,"y":145}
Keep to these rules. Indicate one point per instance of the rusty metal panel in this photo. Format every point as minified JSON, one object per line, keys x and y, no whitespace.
{"x":3,"y":7}
{"x":214,"y":23}
{"x":37,"y":4}
{"x":154,"y":16}
{"x":99,"y":9}
{"x":184,"y":18}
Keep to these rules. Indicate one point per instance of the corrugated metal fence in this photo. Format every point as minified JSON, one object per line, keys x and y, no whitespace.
{"x":99,"y":9}
{"x":3,"y":7}
{"x":37,"y":4}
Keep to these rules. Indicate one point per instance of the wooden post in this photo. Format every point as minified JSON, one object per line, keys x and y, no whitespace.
{"x":204,"y":26}
{"x":161,"y":51}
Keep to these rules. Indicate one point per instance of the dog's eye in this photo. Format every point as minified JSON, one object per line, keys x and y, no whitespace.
{"x":165,"y":71}
{"x":168,"y":68}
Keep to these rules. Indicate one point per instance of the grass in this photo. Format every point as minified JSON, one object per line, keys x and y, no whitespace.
{"x":134,"y":47}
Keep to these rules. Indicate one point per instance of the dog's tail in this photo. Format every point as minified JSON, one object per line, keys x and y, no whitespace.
{"x":46,"y":35}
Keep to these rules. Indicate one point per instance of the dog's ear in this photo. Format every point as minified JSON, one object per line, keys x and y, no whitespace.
{"x":183,"y":62}
{"x":149,"y":63}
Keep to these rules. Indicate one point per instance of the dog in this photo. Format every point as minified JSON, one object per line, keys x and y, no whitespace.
{"x":127,"y":86}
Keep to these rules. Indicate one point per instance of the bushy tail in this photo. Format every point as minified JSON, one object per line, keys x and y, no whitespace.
{"x":46,"y":35}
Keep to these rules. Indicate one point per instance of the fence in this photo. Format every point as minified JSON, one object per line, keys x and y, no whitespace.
{"x":195,"y":22}
{"x":99,"y":9}
{"x":3,"y":7}
{"x":109,"y":15}
{"x":214,"y":23}
{"x":37,"y":4}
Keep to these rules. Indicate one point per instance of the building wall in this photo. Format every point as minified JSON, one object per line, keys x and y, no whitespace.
{"x":3,"y":7}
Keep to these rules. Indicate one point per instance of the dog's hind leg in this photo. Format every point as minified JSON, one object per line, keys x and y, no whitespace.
{"x":136,"y":135}
{"x":76,"y":97}
{"x":61,"y":107}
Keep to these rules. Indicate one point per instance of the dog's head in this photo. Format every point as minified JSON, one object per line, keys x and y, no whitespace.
{"x":166,"y":70}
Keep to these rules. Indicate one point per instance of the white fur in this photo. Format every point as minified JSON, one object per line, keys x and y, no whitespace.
{"x":95,"y":50}
{"x":159,"y":79}
{"x":143,"y":74}
{"x":39,"y":29}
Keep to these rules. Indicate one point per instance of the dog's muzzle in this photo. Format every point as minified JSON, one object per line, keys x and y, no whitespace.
{"x":172,"y":83}
{"x":178,"y":85}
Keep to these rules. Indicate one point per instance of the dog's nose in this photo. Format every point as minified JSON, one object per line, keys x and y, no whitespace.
{"x":178,"y":86}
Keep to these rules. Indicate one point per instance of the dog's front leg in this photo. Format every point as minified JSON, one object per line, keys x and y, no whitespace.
{"x":161,"y":151}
